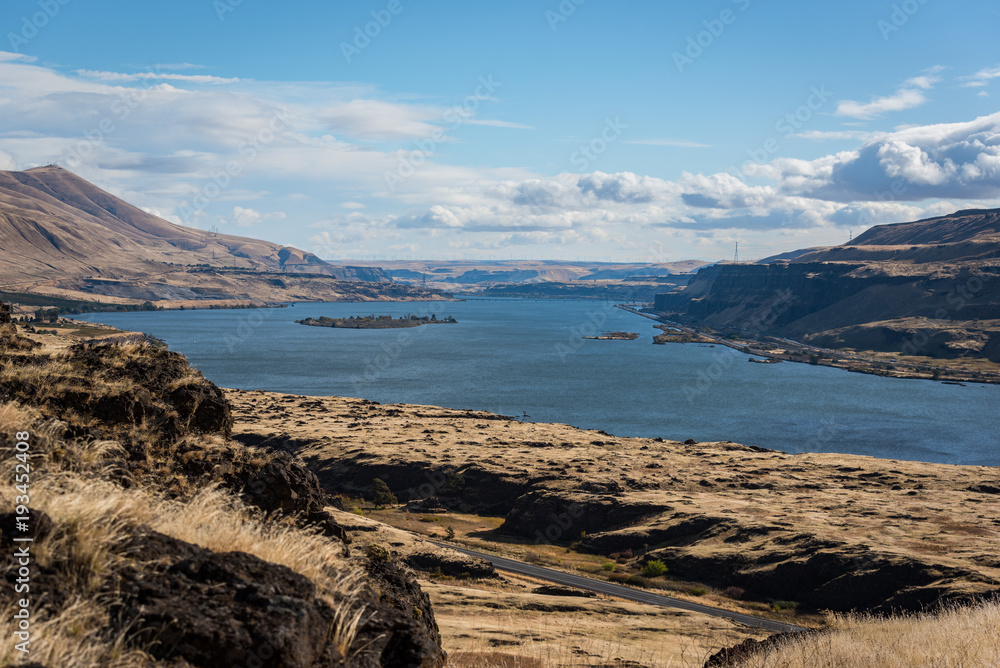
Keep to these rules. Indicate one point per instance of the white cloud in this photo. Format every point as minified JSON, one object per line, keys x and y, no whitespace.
{"x":904,"y":98}
{"x":7,"y":162}
{"x":982,"y":77}
{"x":908,"y":96}
{"x":248,"y":217}
{"x":378,"y":120}
{"x":154,"y":76}
{"x":168,"y":144}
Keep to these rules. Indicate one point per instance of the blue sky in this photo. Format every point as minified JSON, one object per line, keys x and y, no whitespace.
{"x":650,"y":131}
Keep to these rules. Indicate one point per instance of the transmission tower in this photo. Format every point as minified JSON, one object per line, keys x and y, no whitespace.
{"x":736,"y":256}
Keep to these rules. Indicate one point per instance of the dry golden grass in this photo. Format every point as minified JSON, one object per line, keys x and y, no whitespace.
{"x":957,"y":637}
{"x":71,"y":639}
{"x":92,"y":516}
{"x":492,"y":626}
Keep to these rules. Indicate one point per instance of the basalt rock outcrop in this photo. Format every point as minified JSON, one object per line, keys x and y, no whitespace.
{"x":928,"y":288}
{"x":135,"y":424}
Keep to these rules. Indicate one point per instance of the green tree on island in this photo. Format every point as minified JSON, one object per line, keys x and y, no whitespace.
{"x":382,"y":495}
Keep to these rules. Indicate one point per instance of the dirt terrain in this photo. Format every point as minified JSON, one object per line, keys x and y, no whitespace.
{"x":820,"y":531}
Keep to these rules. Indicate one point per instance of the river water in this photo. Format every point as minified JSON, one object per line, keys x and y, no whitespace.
{"x":528,"y":358}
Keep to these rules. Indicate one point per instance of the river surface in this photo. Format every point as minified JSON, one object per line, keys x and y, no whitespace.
{"x":527,"y":358}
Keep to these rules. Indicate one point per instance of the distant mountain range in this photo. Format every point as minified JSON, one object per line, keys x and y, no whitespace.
{"x":55,"y":225}
{"x":925,"y":288}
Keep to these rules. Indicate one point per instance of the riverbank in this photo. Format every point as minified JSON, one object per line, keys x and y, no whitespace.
{"x":871,"y":362}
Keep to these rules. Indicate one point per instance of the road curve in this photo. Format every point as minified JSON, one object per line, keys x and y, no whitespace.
{"x":611,"y":589}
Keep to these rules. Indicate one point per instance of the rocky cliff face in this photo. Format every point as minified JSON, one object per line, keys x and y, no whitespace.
{"x":935,"y":282}
{"x":836,"y":304}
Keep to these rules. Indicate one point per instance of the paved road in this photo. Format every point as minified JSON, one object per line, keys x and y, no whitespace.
{"x":611,"y":589}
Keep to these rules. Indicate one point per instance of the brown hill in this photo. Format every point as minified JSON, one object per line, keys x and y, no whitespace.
{"x":968,"y":225}
{"x":944,"y":272}
{"x":55,"y":225}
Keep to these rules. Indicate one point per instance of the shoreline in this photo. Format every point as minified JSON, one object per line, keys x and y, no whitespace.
{"x":815,"y":356}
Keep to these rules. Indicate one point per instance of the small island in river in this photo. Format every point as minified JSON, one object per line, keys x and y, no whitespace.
{"x":615,"y":336}
{"x":377,"y":321}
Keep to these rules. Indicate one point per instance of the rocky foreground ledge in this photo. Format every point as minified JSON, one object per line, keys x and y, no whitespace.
{"x":827,"y":531}
{"x":156,"y":540}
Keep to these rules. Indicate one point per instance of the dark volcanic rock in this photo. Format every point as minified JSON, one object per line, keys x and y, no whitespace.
{"x":408,"y":634}
{"x":278,"y":483}
{"x":233,"y":609}
{"x":732,"y":657}
{"x":206,"y":406}
{"x":452,"y":564}
{"x":551,"y":517}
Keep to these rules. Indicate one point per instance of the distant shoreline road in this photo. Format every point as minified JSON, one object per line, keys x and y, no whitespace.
{"x":832,"y":358}
{"x":619,"y":591}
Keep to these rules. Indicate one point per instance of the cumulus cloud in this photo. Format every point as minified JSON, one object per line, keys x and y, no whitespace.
{"x":242,"y":217}
{"x":162,"y":145}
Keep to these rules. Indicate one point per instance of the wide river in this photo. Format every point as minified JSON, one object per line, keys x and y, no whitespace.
{"x":527,"y":358}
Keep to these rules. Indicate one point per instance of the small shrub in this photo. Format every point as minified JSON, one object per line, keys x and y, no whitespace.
{"x":734,"y":592}
{"x":698,"y":591}
{"x":654,"y":568}
{"x":778,"y":606}
{"x":377,"y":553}
{"x":450,"y":533}
{"x":608,"y":566}
{"x":382,"y":495}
